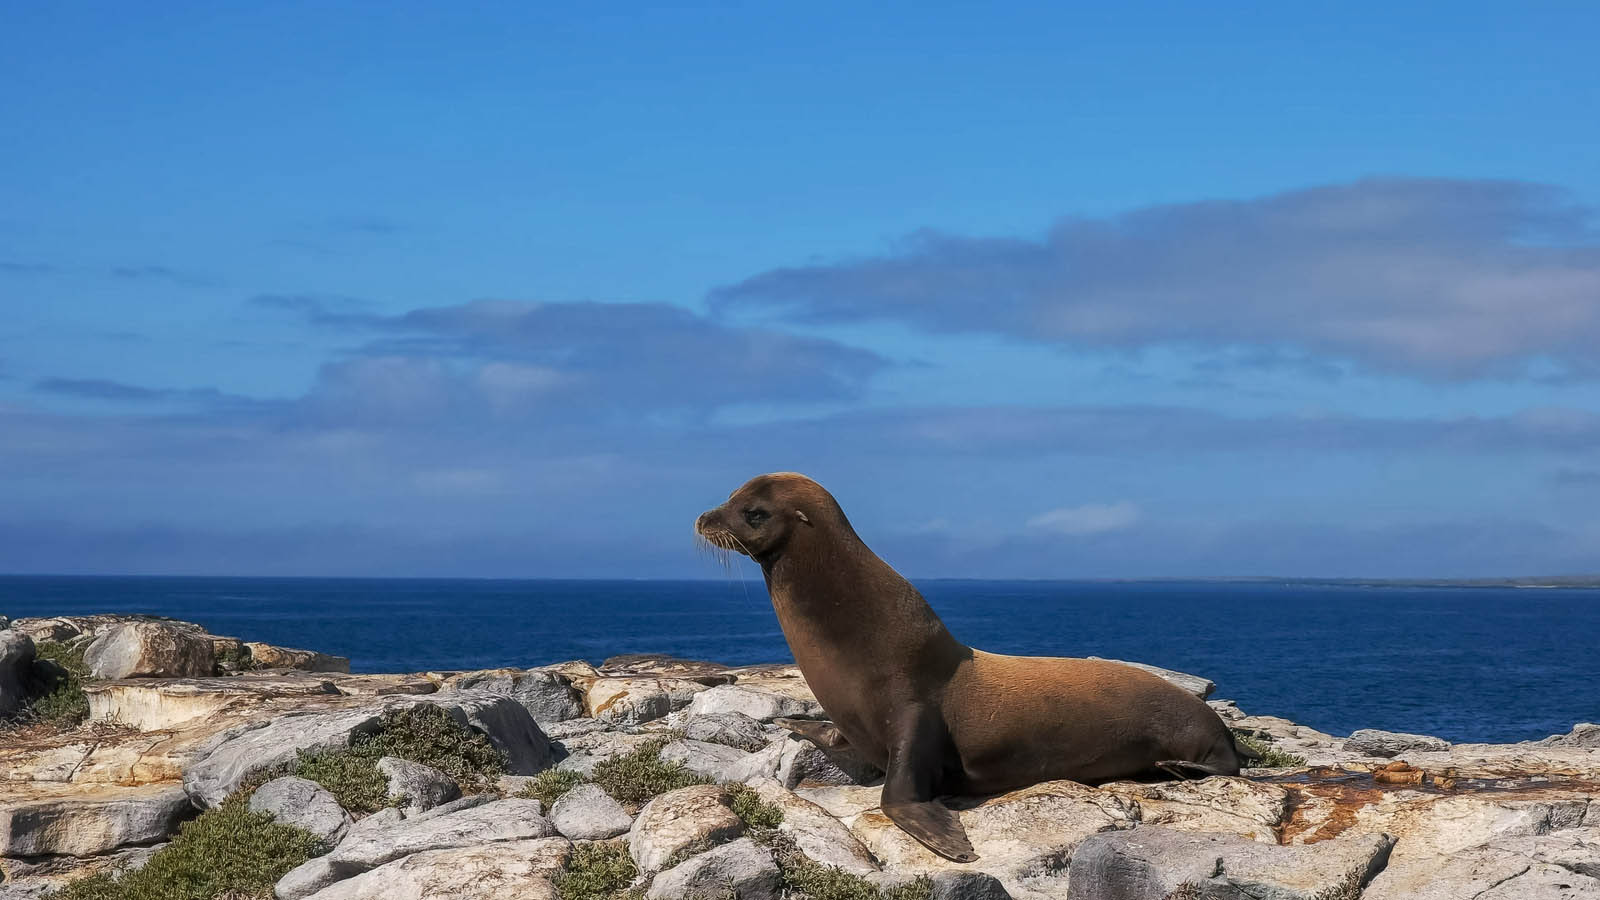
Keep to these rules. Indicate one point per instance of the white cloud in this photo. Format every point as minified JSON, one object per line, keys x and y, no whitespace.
{"x":1088,"y":519}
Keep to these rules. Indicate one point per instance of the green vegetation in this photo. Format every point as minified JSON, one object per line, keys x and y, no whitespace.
{"x":637,"y":776}
{"x":1271,"y":757}
{"x":55,"y":691}
{"x":759,"y":816}
{"x":548,"y":786}
{"x":598,"y":872}
{"x":234,"y":659}
{"x":804,"y":878}
{"x":226,"y":852}
{"x":424,"y":734}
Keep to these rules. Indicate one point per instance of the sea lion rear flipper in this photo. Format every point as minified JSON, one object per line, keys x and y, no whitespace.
{"x":1188,"y":771}
{"x":818,"y":731}
{"x":911,"y":783}
{"x":935,"y":827}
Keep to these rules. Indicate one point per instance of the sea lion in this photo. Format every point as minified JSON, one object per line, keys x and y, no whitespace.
{"x":938,"y":717}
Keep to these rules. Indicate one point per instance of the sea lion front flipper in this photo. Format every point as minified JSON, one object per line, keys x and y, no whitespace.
{"x":818,"y":731}
{"x":915,"y":759}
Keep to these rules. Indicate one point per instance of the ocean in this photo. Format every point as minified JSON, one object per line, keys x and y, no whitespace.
{"x":1463,"y":663}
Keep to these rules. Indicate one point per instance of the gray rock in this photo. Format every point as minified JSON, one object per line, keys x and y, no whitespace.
{"x":763,"y":706}
{"x":731,"y":729}
{"x":419,"y":788}
{"x":1154,"y":862}
{"x":821,"y":837}
{"x":150,"y":650}
{"x":471,"y":801}
{"x":802,"y":762}
{"x":504,"y":820}
{"x":305,"y":879}
{"x":948,"y":884}
{"x":1372,"y":742}
{"x":759,"y":765}
{"x":741,"y":868}
{"x":303,"y":804}
{"x":1561,"y":866}
{"x":587,"y":813}
{"x":1194,"y":684}
{"x":712,"y":761}
{"x":547,"y":696}
{"x":512,"y":870}
{"x":1583,"y":734}
{"x":89,"y":819}
{"x":222,"y":764}
{"x":680,"y":819}
{"x":16,"y":661}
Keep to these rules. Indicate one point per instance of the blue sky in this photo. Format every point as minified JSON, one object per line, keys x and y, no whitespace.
{"x":513,"y":289}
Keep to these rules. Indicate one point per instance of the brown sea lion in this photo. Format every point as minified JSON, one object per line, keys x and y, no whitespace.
{"x":939,"y":717}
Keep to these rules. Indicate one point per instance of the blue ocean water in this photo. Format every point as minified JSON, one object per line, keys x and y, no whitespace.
{"x":1468,"y":664}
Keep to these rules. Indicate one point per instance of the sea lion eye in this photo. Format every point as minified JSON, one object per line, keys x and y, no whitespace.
{"x":754,"y":517}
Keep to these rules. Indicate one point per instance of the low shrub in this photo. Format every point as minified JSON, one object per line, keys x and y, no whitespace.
{"x":55,"y":689}
{"x":637,"y":776}
{"x":548,"y":786}
{"x":803,"y":877}
{"x":1271,"y":757}
{"x":228,"y":851}
{"x":759,"y":816}
{"x":598,"y":871}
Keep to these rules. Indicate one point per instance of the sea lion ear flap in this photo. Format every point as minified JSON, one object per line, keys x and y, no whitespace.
{"x":802,"y":517}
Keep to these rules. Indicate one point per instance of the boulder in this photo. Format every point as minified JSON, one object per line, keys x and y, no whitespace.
{"x":222,"y":765}
{"x":511,"y":870}
{"x":302,"y":804}
{"x":731,"y":729}
{"x":1372,"y":742}
{"x":268,"y":656}
{"x":548,"y":696}
{"x":818,"y":835}
{"x":1583,"y":734}
{"x":712,"y":761}
{"x":16,"y":662}
{"x":514,"y":819}
{"x":631,"y":700}
{"x":1154,"y":863}
{"x":150,"y":650}
{"x":680,"y":819}
{"x":587,"y":813}
{"x":800,"y":762}
{"x":1561,"y":866}
{"x":761,"y":705}
{"x":417,"y":788}
{"x":1194,"y":684}
{"x":741,"y":868}
{"x":85,"y":820}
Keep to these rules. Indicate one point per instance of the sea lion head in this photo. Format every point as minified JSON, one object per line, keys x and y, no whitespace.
{"x":768,"y":514}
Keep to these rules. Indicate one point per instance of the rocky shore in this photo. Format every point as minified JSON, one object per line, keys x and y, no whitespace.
{"x":145,"y":758}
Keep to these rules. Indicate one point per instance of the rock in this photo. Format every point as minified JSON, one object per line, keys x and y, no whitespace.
{"x":712,"y":761}
{"x":630,"y":701}
{"x":548,"y":696}
{"x":680,"y":819}
{"x":267,"y":656}
{"x":1372,"y":742}
{"x":655,"y":664}
{"x":1155,"y":863}
{"x":1194,"y":684}
{"x":948,"y":885}
{"x":149,"y":650}
{"x":763,"y":764}
{"x":417,"y":787}
{"x":306,"y":879}
{"x":1583,"y":734}
{"x":763,"y":706}
{"x":512,"y":870}
{"x":222,"y":765}
{"x":800,"y":762}
{"x":587,"y":813}
{"x":1564,"y":865}
{"x":16,"y":662}
{"x":818,"y":835}
{"x":303,"y":804}
{"x":503,"y":820}
{"x":84,"y":820}
{"x":159,"y":704}
{"x":1240,"y":806}
{"x":586,"y":751}
{"x":741,"y":868}
{"x":731,"y":729}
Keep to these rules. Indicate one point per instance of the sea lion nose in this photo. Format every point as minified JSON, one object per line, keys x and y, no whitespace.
{"x":701,"y":523}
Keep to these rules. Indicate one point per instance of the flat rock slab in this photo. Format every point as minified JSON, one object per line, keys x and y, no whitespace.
{"x":511,"y":870}
{"x":1372,"y":742}
{"x":269,"y":656}
{"x":1154,"y":863}
{"x":1225,"y":805}
{"x":85,"y":820}
{"x":504,"y":820}
{"x":1560,"y":866}
{"x":152,"y":704}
